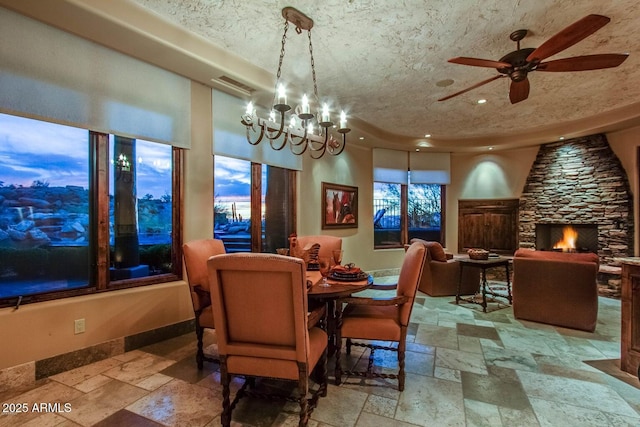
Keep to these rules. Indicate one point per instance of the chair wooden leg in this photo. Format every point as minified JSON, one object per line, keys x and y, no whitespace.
{"x":401,"y":355}
{"x":338,"y":349}
{"x":200,"y":351}
{"x":303,"y":388}
{"x":226,"y":404}
{"x":324,"y":374}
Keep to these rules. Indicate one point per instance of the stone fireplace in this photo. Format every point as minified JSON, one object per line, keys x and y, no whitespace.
{"x":581,"y":182}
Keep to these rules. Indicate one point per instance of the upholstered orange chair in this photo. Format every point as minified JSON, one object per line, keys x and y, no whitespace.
{"x":260,"y":310}
{"x":381,"y":319}
{"x":196,"y":253}
{"x":442,"y":273}
{"x":327,"y":244}
{"x":556,"y":288}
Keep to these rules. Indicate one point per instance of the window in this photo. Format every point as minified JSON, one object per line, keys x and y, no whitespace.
{"x":253,"y":205}
{"x":140,"y":208}
{"x":232,"y":203}
{"x":44,"y":207}
{"x":425,"y":212}
{"x":57,"y":211}
{"x":387,"y":230}
{"x":403,"y":212}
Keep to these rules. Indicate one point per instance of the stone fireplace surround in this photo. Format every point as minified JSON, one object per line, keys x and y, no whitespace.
{"x":580,"y":181}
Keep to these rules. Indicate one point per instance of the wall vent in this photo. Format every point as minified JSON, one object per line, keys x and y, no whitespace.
{"x":234,"y":84}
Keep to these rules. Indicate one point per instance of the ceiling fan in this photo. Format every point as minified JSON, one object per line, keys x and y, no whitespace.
{"x":517,"y":64}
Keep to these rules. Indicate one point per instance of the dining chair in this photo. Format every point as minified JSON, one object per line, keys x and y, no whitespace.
{"x":196,"y":253}
{"x":264,"y":330}
{"x":380,"y":318}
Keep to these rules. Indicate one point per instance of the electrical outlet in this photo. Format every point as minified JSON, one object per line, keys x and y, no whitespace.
{"x":78,"y":326}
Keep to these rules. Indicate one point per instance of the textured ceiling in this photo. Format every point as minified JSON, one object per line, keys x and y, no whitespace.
{"x":381,"y":60}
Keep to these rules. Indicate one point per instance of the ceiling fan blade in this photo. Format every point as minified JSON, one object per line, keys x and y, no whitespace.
{"x":569,"y":36}
{"x":584,"y":63}
{"x":477,"y":62}
{"x":519,"y":91}
{"x":484,"y":82}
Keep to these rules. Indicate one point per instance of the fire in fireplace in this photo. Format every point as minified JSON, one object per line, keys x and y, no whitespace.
{"x":568,"y":241}
{"x":567,"y":237}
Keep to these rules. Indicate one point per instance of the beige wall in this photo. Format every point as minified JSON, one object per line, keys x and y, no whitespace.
{"x":491,"y":175}
{"x":625,"y":144}
{"x":352,"y":167}
{"x":42,"y":330}
{"x":499,"y":175}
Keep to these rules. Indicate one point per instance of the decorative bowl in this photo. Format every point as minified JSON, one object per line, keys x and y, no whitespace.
{"x":478,"y":254}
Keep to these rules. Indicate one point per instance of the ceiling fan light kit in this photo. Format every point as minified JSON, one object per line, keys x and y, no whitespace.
{"x":299,"y":132}
{"x":518,"y":64}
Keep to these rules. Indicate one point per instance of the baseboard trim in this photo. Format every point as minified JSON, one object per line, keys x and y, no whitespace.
{"x":75,"y":359}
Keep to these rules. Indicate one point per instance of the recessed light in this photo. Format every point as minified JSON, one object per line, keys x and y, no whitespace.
{"x":490,"y":148}
{"x":417,"y":149}
{"x":561,"y":138}
{"x":428,"y":135}
{"x":482,"y":101}
{"x":444,"y":83}
{"x":362,"y":137}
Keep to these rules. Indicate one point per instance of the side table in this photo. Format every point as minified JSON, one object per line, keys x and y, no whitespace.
{"x":484,"y":289}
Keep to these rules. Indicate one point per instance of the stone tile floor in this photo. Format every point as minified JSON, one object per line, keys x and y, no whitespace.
{"x":464,"y":368}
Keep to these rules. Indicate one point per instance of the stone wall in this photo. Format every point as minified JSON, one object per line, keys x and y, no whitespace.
{"x":579,"y":181}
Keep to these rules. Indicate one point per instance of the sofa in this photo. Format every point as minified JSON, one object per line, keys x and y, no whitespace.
{"x":441,"y":273}
{"x":556,"y":288}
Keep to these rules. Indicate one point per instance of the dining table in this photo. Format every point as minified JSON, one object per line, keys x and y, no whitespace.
{"x":328,"y":295}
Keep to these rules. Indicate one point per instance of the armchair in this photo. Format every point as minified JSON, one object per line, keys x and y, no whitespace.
{"x":260,"y":309}
{"x":442,"y":273}
{"x":381,"y":319}
{"x":196,"y":253}
{"x":556,"y":288}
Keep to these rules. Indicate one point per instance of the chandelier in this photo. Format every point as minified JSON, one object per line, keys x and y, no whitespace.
{"x":297,"y":129}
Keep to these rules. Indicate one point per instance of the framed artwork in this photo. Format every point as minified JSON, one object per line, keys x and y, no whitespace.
{"x":339,"y":206}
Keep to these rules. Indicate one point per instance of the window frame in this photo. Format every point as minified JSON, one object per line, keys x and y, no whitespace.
{"x":404,"y":218}
{"x":99,"y":250}
{"x":255,"y":194}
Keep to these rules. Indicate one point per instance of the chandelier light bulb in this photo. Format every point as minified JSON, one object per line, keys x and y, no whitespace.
{"x":325,"y":113}
{"x":305,"y":104}
{"x":343,"y":120}
{"x":272,"y":116}
{"x":282,"y":95}
{"x":250,"y":109}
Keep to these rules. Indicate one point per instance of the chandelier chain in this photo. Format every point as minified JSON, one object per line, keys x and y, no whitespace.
{"x":284,"y":42}
{"x":313,"y":69}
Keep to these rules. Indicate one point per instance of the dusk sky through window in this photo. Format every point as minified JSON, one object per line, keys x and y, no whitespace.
{"x":33,"y":150}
